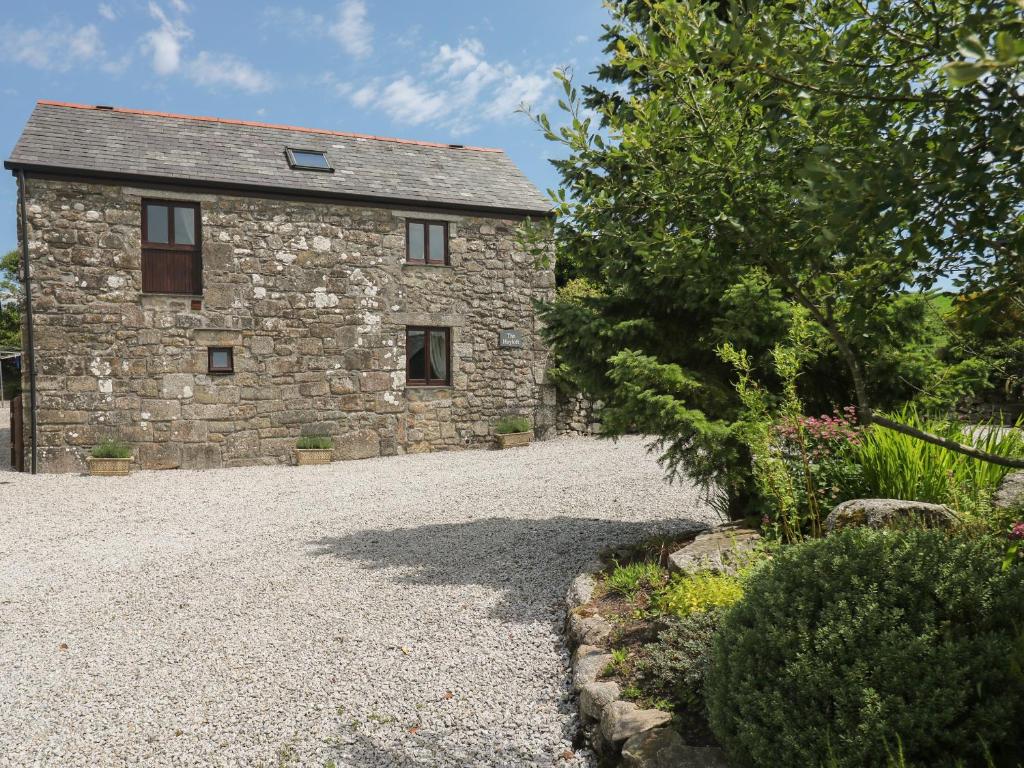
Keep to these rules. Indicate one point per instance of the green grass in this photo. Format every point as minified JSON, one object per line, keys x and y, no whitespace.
{"x":111,"y":449}
{"x":898,"y":466}
{"x":314,"y":441}
{"x":629,"y":580}
{"x":512,"y":424}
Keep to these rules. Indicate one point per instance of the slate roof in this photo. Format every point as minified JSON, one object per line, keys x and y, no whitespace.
{"x":234,"y":154}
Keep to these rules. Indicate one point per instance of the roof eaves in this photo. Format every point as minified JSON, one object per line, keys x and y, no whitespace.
{"x":326,"y":195}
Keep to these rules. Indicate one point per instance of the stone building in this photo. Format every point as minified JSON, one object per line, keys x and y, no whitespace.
{"x":209,"y":290}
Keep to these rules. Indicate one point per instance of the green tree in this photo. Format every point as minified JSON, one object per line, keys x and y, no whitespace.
{"x":10,"y":298}
{"x":746,"y":162}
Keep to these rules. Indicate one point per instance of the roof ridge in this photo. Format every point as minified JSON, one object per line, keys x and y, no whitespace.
{"x":255,"y":124}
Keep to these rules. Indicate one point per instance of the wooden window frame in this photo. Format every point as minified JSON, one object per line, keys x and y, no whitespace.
{"x":211,"y":368}
{"x":295,"y":165}
{"x":152,"y":252}
{"x":429,"y":382}
{"x":427,"y":260}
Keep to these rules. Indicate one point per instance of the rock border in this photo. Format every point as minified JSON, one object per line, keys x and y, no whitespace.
{"x":617,"y":731}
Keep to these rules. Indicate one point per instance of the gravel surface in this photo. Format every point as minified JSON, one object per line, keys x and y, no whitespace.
{"x":388,"y":612}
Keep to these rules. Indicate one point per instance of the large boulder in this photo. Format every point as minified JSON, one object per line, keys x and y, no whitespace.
{"x":664,"y":748}
{"x":888,"y":513}
{"x":1011,"y":492}
{"x":622,"y":719}
{"x":722,"y":551}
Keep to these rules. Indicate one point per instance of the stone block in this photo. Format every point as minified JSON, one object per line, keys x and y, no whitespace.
{"x":203,"y":456}
{"x":361,"y":444}
{"x":217,"y":392}
{"x":180,"y":385}
{"x":158,"y":455}
{"x":664,"y":748}
{"x":594,"y":697}
{"x":621,"y":720}
{"x":587,"y":630}
{"x":189,"y":432}
{"x":588,"y":664}
{"x":159,"y":409}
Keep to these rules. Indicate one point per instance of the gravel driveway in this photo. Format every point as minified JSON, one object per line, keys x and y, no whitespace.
{"x":388,"y":612}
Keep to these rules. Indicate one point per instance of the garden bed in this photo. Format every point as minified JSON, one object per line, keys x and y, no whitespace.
{"x":642,"y":628}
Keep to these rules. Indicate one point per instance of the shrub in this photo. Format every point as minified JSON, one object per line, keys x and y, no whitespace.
{"x":676,"y":665}
{"x":111,"y":449}
{"x":899,"y":466}
{"x":308,"y":442}
{"x":843,"y":648}
{"x":686,"y":594}
{"x":628,"y":580}
{"x":512,"y":424}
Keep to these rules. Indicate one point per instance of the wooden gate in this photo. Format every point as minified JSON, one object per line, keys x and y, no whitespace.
{"x":17,"y":435}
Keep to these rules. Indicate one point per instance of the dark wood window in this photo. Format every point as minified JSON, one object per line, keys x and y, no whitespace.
{"x":172,"y":258}
{"x":428,"y":357}
{"x":426,"y":242}
{"x":221,"y":360}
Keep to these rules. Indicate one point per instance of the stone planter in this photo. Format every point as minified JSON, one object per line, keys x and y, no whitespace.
{"x":514,"y":439}
{"x":109,"y":467}
{"x":305,"y":456}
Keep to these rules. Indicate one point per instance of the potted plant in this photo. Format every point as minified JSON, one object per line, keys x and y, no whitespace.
{"x":314,"y":449}
{"x":110,"y":457}
{"x":513,"y":431}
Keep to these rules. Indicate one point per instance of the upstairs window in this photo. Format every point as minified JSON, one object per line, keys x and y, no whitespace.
{"x":308,"y":160}
{"x":426,"y":242}
{"x":172,"y":260}
{"x":428,"y":357}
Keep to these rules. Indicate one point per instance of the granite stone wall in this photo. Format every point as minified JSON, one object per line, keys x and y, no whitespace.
{"x":313,"y":297}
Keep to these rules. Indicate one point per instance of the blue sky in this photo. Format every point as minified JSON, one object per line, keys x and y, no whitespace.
{"x":453,"y":70}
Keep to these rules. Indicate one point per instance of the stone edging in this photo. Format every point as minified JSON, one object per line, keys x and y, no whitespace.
{"x":608,"y":723}
{"x":619,"y":732}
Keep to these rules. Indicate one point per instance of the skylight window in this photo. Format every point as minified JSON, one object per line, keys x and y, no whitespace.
{"x":308,"y":160}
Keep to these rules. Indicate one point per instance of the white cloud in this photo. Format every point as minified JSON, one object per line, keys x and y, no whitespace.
{"x":409,"y":102}
{"x":521,"y":89}
{"x":107,"y":12}
{"x":297,"y":22}
{"x":352,"y":30}
{"x":164,"y":43}
{"x":580,"y":39}
{"x":180,"y":6}
{"x":456,"y":89}
{"x":214,"y":69}
{"x":57,"y":47}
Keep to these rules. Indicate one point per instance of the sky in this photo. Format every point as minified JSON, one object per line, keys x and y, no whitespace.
{"x":451,"y":71}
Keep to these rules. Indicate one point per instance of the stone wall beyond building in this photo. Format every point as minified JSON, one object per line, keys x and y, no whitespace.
{"x":314,"y":298}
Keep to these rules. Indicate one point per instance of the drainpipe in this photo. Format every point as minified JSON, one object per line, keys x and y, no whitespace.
{"x":28,"y":315}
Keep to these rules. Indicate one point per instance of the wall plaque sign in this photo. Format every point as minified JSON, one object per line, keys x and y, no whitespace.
{"x":510,"y":338}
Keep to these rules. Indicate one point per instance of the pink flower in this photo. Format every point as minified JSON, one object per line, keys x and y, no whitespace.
{"x":1017,"y":531}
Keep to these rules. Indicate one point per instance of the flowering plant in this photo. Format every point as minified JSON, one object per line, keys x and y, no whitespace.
{"x":1014,"y":550}
{"x":818,"y":452}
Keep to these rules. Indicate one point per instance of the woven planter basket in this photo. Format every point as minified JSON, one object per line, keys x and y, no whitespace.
{"x":109,"y":467}
{"x":515,"y":439}
{"x":305,"y":456}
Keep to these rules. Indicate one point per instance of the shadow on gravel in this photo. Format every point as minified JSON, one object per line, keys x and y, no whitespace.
{"x":422,"y":751}
{"x":531,"y":561}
